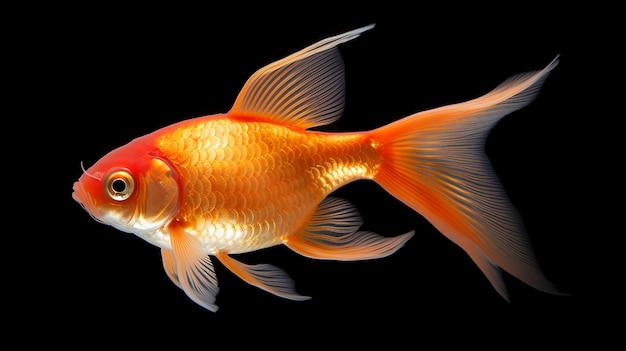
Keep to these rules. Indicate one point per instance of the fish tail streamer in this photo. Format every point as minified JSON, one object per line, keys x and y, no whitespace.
{"x":434,"y":161}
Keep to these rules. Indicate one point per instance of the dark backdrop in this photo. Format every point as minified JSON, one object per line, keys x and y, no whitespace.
{"x":111,"y":74}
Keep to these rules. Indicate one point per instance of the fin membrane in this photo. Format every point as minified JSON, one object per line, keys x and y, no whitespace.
{"x":434,"y":161}
{"x":190,"y":268}
{"x":304,"y":89}
{"x":332,"y":234}
{"x":264,"y":276}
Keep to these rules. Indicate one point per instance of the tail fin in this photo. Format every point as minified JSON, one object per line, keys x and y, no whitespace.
{"x":434,"y":161}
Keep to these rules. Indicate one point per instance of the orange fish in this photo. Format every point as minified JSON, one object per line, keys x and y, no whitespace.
{"x":258,"y":176}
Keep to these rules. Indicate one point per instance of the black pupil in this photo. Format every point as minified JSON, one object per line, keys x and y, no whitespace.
{"x":118,"y":185}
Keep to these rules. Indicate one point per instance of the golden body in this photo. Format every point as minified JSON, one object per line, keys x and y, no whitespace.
{"x":249,"y":185}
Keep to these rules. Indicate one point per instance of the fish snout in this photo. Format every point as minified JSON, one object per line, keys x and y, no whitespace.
{"x":77,"y":193}
{"x":80,"y":195}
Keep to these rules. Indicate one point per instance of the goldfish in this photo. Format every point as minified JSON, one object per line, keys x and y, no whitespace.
{"x":263,"y":174}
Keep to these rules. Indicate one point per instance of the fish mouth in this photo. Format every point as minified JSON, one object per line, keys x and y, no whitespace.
{"x":85,"y":200}
{"x":77,"y":192}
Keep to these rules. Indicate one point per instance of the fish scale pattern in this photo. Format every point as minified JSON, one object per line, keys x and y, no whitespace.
{"x":247,"y":185}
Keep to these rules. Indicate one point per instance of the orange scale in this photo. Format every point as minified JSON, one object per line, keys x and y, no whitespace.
{"x":230,"y":201}
{"x":246,"y":138}
{"x":219,"y":200}
{"x":198,"y":187}
{"x":194,"y":199}
{"x":223,"y":141}
{"x":219,"y":129}
{"x":177,"y":134}
{"x":238,"y":188}
{"x":270,"y":162}
{"x":237,"y":140}
{"x":219,"y":155}
{"x":230,"y":170}
{"x":190,"y":144}
{"x":199,"y":143}
{"x":194,"y":158}
{"x":233,"y":215}
{"x":228,"y":154}
{"x":200,"y":224}
{"x":209,"y":130}
{"x":192,"y":174}
{"x":211,"y":201}
{"x":213,"y":141}
{"x":230,"y":141}
{"x":246,"y":185}
{"x":288,"y":154}
{"x":260,"y":164}
{"x":257,"y":228}
{"x":263,"y":148}
{"x":242,"y":201}
{"x":230,"y":185}
{"x":182,"y":158}
{"x":290,"y":171}
{"x":251,"y":170}
{"x":244,"y":216}
{"x":180,"y":145}
{"x":205,"y":132}
{"x":206,"y":205}
{"x":314,"y":173}
{"x":207,"y":155}
{"x":252,"y":184}
{"x":196,"y":132}
{"x":240,"y":153}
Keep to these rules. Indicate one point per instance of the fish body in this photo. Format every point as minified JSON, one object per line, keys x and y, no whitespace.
{"x":246,"y":184}
{"x":259,"y":176}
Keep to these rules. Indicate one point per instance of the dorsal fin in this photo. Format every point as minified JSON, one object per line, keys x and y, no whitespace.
{"x":304,"y":89}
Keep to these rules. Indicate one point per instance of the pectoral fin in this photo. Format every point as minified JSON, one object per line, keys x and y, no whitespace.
{"x":265,"y":276}
{"x":190,"y":268}
{"x":169,"y":263}
{"x":332,"y":234}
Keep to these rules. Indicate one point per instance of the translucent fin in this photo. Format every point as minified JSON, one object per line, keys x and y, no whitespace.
{"x":264,"y":276}
{"x":434,"y":161}
{"x":332,"y":234}
{"x":194,"y":269}
{"x":304,"y":89}
{"x":492,"y":271}
{"x":169,"y":264}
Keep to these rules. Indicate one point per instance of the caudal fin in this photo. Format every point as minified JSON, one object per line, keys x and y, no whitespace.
{"x":434,"y":161}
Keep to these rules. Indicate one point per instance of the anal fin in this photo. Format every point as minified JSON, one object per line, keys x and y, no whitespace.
{"x":332,"y":234}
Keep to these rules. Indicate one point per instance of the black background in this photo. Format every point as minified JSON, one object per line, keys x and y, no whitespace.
{"x":107,"y":75}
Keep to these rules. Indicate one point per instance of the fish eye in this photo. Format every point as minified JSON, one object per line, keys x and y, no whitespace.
{"x":119,"y":185}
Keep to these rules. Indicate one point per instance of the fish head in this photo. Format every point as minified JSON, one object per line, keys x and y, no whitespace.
{"x":132,"y":188}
